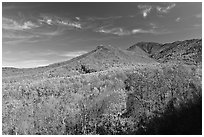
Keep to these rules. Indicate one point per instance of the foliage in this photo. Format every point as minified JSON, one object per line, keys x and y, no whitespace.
{"x":120,"y":100}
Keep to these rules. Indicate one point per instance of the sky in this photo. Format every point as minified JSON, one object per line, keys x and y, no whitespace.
{"x":38,"y":34}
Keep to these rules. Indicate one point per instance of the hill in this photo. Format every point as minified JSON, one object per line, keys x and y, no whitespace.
{"x":148,"y":47}
{"x":102,"y":58}
{"x":99,"y":59}
{"x":107,"y":91}
{"x":187,"y":51}
{"x":132,"y":100}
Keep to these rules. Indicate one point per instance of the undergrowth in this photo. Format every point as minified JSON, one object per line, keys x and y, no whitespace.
{"x":151,"y":99}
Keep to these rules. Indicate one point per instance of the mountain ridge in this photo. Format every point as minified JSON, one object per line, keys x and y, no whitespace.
{"x":186,"y":51}
{"x":104,"y":57}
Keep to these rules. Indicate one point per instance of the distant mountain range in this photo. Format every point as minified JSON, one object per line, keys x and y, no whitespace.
{"x":105,"y":57}
{"x":188,"y":51}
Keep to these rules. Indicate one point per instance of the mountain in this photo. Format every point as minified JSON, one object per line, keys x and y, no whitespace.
{"x":128,"y":93}
{"x":101,"y":58}
{"x":106,"y":57}
{"x":148,"y":47}
{"x":187,"y":51}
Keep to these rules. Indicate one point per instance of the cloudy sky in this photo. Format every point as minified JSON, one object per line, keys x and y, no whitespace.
{"x":37,"y":34}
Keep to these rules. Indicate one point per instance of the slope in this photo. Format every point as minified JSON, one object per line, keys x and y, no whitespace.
{"x":148,"y":47}
{"x":101,"y":58}
{"x":187,"y":51}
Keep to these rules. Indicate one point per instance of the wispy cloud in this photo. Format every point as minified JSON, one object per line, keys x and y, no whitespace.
{"x":54,"y":20}
{"x":178,"y":19}
{"x":50,"y":32}
{"x":198,"y":15}
{"x":124,"y":32}
{"x":153,"y":25}
{"x":12,"y":37}
{"x":73,"y":54}
{"x":92,"y":22}
{"x":77,"y":18}
{"x":152,"y":31}
{"x":47,"y":53}
{"x":11,"y":24}
{"x":135,"y":31}
{"x":145,"y":9}
{"x":17,"y":35}
{"x":29,"y":32}
{"x":116,"y":31}
{"x":14,"y":32}
{"x":197,"y":25}
{"x":165,"y":9}
{"x":69,"y":23}
{"x":104,"y":18}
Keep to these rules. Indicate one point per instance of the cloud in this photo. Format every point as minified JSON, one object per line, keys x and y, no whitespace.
{"x":29,"y":25}
{"x":13,"y":37}
{"x":77,"y":18}
{"x":178,"y":19}
{"x":71,"y":24}
{"x":29,"y":32}
{"x":135,"y":31}
{"x":54,"y":20}
{"x":197,"y":25}
{"x":153,"y":25}
{"x":45,"y":20}
{"x":10,"y":24}
{"x":47,"y":53}
{"x":55,"y":31}
{"x":150,"y":31}
{"x":198,"y":15}
{"x":115,"y":31}
{"x":93,"y":23}
{"x":145,"y":9}
{"x":16,"y":35}
{"x":104,"y":18}
{"x":165,"y":9}
{"x":73,"y":54}
{"x":124,"y":32}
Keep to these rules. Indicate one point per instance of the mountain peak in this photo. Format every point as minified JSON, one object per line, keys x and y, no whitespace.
{"x":148,"y":47}
{"x":107,"y":47}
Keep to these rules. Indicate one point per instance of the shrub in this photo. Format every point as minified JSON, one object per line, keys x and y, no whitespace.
{"x":160,"y":98}
{"x":120,"y":100}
